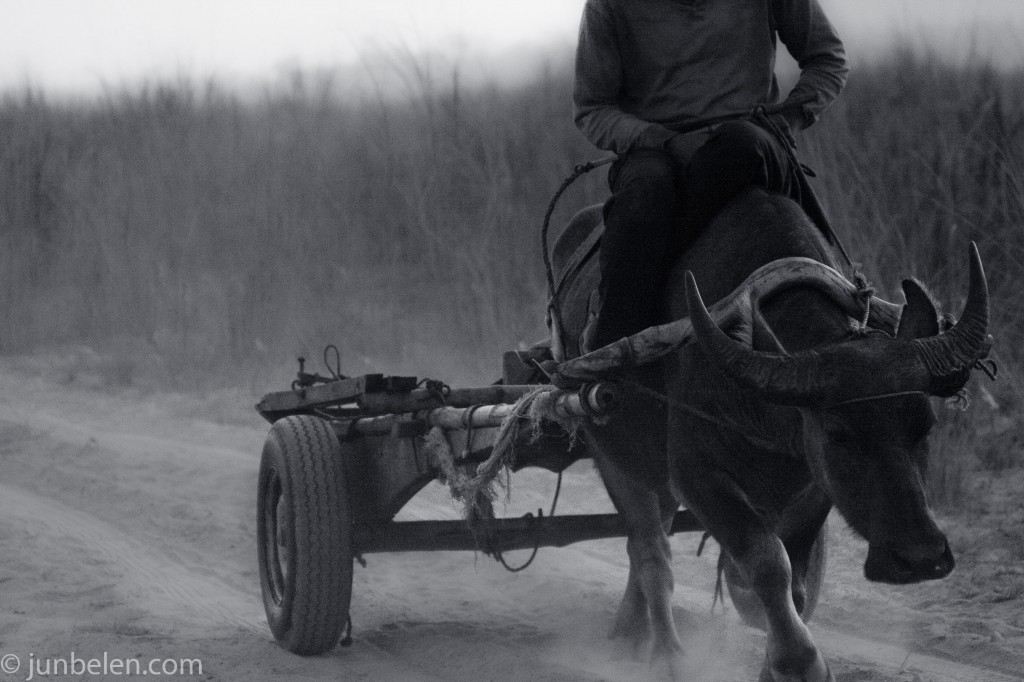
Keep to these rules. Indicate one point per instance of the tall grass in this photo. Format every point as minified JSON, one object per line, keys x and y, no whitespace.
{"x":203,"y":236}
{"x":228,"y":234}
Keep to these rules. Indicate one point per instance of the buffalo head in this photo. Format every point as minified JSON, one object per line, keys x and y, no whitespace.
{"x":866,"y":416}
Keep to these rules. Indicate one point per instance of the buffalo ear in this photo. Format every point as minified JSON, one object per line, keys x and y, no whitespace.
{"x":920,"y":318}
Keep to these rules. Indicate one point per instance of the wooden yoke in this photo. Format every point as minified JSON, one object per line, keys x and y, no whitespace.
{"x":734,"y":313}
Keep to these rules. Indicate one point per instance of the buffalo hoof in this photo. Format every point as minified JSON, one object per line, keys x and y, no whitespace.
{"x":632,"y":639}
{"x":630,"y":646}
{"x":632,"y":631}
{"x":768,"y":676}
{"x":669,"y":665}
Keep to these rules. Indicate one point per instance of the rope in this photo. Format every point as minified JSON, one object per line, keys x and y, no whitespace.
{"x":478,"y":489}
{"x":760,"y":115}
{"x":579,"y":170}
{"x":536,"y":547}
{"x":336,"y":369}
{"x":436,"y":388}
{"x":865,"y":293}
{"x":467,"y":422}
{"x":701,"y":414}
{"x":459,"y":482}
{"x":870,"y":398}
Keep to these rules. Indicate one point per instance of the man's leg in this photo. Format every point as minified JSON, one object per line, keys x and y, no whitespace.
{"x":639,"y":220}
{"x":738,"y":154}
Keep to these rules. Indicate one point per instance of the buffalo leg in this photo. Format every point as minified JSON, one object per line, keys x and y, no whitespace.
{"x":646,"y":608}
{"x":798,"y":529}
{"x":762,"y":559}
{"x":633,"y":618}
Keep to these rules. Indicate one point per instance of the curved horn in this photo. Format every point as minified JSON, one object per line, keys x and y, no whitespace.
{"x":950,"y":354}
{"x":795,"y":379}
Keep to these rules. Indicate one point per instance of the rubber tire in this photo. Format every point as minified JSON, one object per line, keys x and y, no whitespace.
{"x":304,"y":535}
{"x":749,"y":606}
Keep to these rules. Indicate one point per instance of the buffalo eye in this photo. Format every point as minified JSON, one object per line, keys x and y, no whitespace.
{"x":838,"y":433}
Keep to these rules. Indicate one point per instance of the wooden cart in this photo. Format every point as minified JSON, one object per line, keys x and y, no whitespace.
{"x":344,"y":455}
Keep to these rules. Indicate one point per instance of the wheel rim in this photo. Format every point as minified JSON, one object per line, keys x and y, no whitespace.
{"x":276,"y":541}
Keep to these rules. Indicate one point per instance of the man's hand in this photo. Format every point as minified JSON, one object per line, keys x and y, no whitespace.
{"x":785,"y":128}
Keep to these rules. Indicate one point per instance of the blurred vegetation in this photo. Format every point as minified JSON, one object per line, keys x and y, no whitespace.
{"x":192,"y":236}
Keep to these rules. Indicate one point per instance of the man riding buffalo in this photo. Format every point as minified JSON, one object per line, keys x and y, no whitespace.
{"x":807,"y":400}
{"x":669,"y":86}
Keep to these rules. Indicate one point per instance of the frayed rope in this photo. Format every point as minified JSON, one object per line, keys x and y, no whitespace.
{"x":477,"y":491}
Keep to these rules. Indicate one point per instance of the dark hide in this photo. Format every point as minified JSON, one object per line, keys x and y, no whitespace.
{"x":764,"y":485}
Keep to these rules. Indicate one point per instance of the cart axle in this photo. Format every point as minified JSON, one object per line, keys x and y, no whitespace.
{"x":497,"y":535}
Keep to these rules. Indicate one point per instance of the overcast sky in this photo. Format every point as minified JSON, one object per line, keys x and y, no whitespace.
{"x":80,"y":45}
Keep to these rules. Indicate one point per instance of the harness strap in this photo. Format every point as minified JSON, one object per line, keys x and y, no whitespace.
{"x":580,"y":256}
{"x":701,"y":414}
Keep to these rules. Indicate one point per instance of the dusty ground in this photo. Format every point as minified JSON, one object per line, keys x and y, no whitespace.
{"x":127,"y":526}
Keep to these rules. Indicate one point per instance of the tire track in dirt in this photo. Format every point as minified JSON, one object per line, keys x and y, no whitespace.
{"x":899,"y":660}
{"x":166,"y":587}
{"x":147,"y":579}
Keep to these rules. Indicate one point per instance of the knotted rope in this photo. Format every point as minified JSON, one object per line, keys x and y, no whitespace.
{"x":478,"y":490}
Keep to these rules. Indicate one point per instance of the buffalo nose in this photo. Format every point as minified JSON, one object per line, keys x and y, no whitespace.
{"x":909,"y":563}
{"x":927,"y":561}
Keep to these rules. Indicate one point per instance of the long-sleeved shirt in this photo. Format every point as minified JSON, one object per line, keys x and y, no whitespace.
{"x":647,"y":69}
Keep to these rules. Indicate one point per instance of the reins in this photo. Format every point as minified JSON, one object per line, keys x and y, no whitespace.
{"x":679,"y":405}
{"x":872,"y":398}
{"x":553,"y":303}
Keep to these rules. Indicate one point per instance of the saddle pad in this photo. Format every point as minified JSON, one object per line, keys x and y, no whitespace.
{"x":577,"y":275}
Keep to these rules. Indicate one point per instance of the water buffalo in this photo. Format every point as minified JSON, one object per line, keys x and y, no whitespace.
{"x":760,"y":438}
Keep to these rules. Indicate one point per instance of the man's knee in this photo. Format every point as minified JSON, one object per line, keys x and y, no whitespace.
{"x":740,"y":153}
{"x":644,"y":171}
{"x":738,"y":141}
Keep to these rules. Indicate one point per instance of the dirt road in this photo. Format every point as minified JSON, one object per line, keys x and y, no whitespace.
{"x":127,"y":526}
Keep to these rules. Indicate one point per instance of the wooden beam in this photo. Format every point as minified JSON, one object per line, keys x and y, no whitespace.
{"x":597,"y":398}
{"x":370,"y":394}
{"x":502,"y":535}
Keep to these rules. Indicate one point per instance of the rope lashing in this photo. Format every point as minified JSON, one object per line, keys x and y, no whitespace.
{"x":865,"y":293}
{"x":477,"y":491}
{"x":460,"y":483}
{"x":471,"y":488}
{"x":467,"y":423}
{"x":437,"y":389}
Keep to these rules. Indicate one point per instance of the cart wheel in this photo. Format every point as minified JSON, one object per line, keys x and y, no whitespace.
{"x":747,"y":603}
{"x":304,"y":535}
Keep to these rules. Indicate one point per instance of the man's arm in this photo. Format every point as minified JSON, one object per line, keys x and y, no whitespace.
{"x":597,"y":85}
{"x":812,"y":41}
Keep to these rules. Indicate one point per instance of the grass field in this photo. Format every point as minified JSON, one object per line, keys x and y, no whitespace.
{"x":185,"y":236}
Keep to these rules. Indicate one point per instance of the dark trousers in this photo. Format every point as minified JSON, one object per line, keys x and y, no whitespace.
{"x":658,"y":206}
